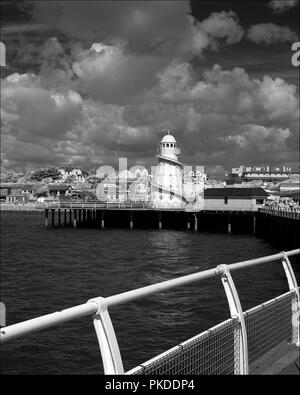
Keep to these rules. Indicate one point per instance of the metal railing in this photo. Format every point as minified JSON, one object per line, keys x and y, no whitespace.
{"x":93,"y":205}
{"x":292,"y":213}
{"x":231,"y":347}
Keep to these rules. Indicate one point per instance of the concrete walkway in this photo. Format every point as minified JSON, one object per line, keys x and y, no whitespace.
{"x":284,"y":360}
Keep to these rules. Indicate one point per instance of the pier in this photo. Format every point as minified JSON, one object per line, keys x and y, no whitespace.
{"x":262,"y":340}
{"x":277,"y":226}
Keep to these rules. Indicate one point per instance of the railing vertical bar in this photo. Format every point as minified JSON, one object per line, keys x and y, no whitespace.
{"x":236,"y":312}
{"x":293,"y":286}
{"x":109,"y":348}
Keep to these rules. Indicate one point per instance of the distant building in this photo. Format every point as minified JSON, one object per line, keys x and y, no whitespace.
{"x":289,"y":186}
{"x":71,"y":171}
{"x":3,"y":194}
{"x":57,"y":190}
{"x":295,"y":196}
{"x":263,"y":173}
{"x":17,"y":193}
{"x":243,"y":199}
{"x":233,"y":179}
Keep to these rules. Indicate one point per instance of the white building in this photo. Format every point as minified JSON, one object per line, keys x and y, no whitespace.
{"x":265,"y":173}
{"x":167,"y":182}
{"x":289,"y":187}
{"x":74,"y":172}
{"x":193,"y":185}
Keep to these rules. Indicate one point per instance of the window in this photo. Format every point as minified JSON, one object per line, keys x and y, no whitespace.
{"x":167,"y":144}
{"x":259,"y":201}
{"x":225,"y":200}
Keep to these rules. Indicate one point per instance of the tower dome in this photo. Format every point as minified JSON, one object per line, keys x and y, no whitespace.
{"x":168,"y":147}
{"x":168,"y":138}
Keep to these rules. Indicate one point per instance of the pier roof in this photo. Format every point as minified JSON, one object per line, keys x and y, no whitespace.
{"x":235,"y":192}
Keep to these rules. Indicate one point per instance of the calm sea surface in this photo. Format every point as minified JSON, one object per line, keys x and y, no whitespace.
{"x":45,"y":270}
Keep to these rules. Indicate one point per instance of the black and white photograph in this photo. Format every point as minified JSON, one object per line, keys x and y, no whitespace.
{"x":150,"y":190}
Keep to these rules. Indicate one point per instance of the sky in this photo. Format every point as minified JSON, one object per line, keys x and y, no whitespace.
{"x":87,"y":82}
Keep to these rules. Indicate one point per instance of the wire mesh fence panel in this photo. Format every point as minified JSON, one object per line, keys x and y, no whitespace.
{"x":268,"y":326}
{"x":210,"y":353}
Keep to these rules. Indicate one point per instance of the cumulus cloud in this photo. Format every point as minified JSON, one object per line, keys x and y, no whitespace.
{"x":148,"y":27}
{"x":112,"y":74}
{"x":214,"y":115}
{"x":222,"y":112}
{"x":117,"y":83}
{"x":18,"y":153}
{"x":260,"y":138}
{"x":269,"y":33}
{"x":33,"y":112}
{"x":279,"y":6}
{"x":219,"y":27}
{"x":229,"y":91}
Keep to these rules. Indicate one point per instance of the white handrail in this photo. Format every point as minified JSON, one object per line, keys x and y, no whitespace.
{"x":91,"y":307}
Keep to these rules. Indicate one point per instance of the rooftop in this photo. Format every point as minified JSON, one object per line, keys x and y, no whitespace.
{"x":58,"y":187}
{"x":168,"y":138}
{"x":235,"y":192}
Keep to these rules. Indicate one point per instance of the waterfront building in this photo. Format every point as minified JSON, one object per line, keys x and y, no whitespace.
{"x":234,"y":199}
{"x":17,"y":193}
{"x":3,"y":194}
{"x":167,"y":182}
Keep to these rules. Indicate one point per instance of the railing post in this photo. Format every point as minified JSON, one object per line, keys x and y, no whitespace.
{"x":110,"y":352}
{"x":293,"y":286}
{"x":236,"y":312}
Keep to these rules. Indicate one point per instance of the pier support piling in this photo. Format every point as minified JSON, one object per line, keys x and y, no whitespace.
{"x":46,"y":218}
{"x":159,"y":220}
{"x":131,"y":220}
{"x":75,"y":218}
{"x":58,"y":213}
{"x":229,"y":225}
{"x":196,"y":223}
{"x":102,"y":220}
{"x":53,"y":217}
{"x":254,"y":224}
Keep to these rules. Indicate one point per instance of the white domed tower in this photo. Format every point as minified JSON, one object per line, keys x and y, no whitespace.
{"x":167,"y":183}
